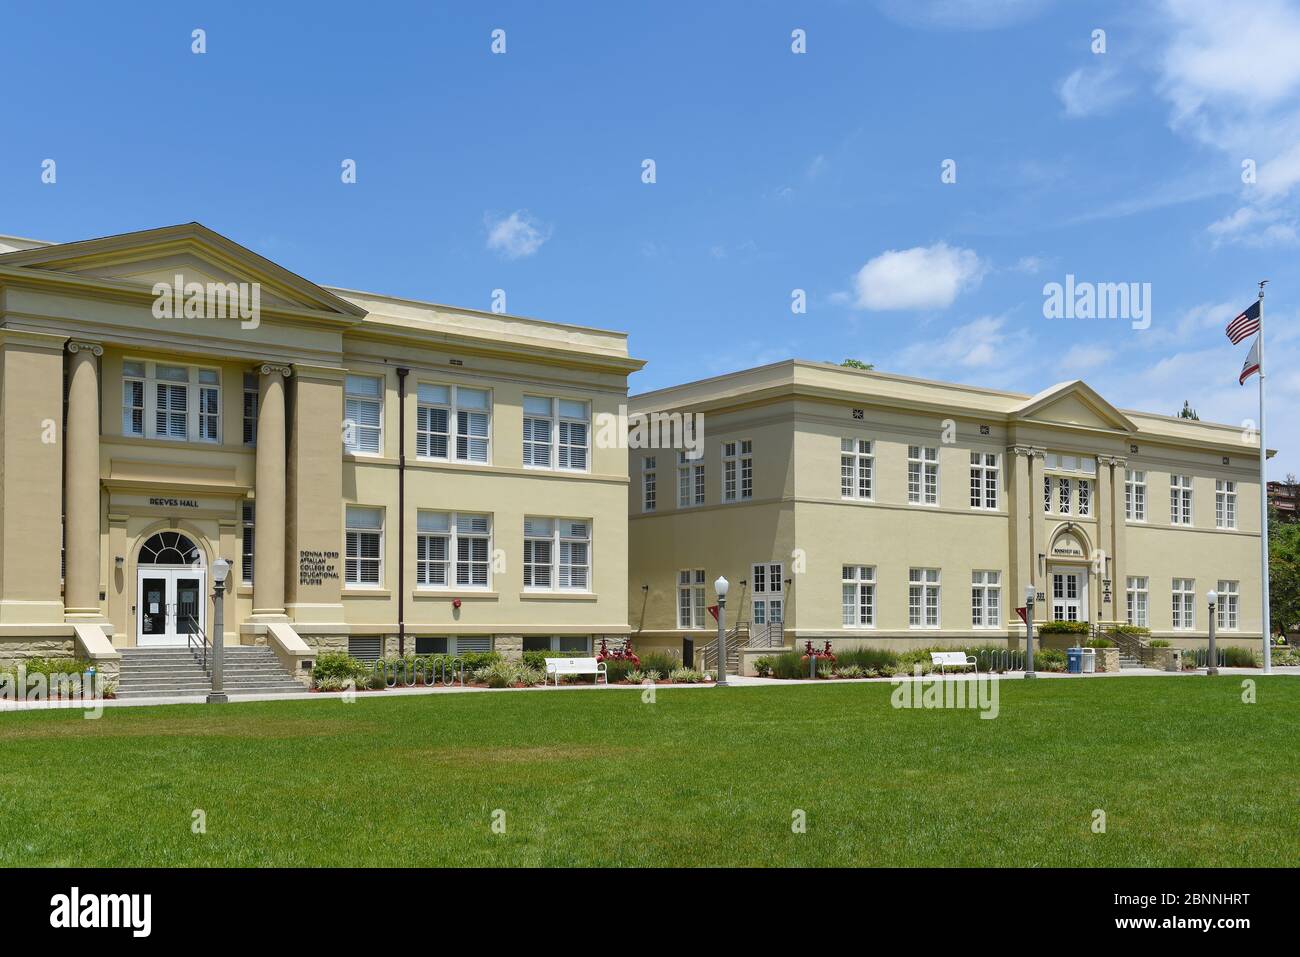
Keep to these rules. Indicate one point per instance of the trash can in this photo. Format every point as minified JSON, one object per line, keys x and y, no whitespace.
{"x":1074,"y":660}
{"x":1089,"y":661}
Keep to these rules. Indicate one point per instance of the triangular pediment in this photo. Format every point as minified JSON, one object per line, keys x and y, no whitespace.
{"x":190,"y":251}
{"x":1073,"y":403}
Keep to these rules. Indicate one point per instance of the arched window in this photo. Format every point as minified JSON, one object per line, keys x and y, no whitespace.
{"x":170,"y":548}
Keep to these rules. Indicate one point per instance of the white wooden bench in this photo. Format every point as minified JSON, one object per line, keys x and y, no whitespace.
{"x":953,"y":659}
{"x":576,"y":666}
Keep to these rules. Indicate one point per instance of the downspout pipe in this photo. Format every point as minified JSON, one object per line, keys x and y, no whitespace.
{"x":401,"y":511}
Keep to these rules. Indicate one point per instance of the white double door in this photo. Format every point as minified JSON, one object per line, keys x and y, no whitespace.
{"x":169,"y":605}
{"x":1069,"y":600}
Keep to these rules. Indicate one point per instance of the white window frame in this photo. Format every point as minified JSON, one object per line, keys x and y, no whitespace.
{"x":649,"y":483}
{"x":857,"y":463}
{"x":352,"y":527}
{"x":769,"y":583}
{"x":986,"y":598}
{"x":432,"y":399}
{"x":1225,"y":503}
{"x":1135,"y":495}
{"x":354,"y":399}
{"x":561,"y":540}
{"x":1228,"y":611}
{"x":1064,"y":495}
{"x":1180,"y":499}
{"x":984,"y":481}
{"x":691,"y":597}
{"x":561,"y":424}
{"x":923,"y":475}
{"x":858,"y":596}
{"x":461,"y":528}
{"x":1085,"y":498}
{"x":1138,"y":601}
{"x":252,"y":403}
{"x":460,"y":442}
{"x":690,"y":481}
{"x":924,"y":598}
{"x":1183,"y":606}
{"x":195,"y":390}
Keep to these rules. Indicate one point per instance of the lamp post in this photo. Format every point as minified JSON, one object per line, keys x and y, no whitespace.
{"x":722,"y":586}
{"x":220,"y":569}
{"x":1030,"y":594}
{"x":1212,"y":661}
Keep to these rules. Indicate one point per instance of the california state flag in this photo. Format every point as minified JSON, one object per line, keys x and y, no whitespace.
{"x":1252,"y":363}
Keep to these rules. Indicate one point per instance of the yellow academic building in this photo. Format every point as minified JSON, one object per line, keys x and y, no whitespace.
{"x":379,"y":472}
{"x":878,"y":509}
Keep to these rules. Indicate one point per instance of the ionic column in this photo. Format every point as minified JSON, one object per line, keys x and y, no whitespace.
{"x":268,"y":515}
{"x":81,"y":484}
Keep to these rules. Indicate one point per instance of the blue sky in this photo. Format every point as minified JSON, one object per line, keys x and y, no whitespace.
{"x":775,"y":171}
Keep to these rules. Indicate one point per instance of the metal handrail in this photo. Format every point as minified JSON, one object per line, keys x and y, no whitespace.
{"x":197,"y":642}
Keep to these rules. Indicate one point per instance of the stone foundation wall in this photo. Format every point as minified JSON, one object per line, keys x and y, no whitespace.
{"x":323,"y":643}
{"x":510,"y":647}
{"x":14,"y":650}
{"x":1107,"y":659}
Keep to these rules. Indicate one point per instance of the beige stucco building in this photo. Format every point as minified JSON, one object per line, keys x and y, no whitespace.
{"x":372,"y":467}
{"x":878,"y":509}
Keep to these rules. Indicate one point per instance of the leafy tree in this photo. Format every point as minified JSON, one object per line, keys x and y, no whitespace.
{"x":856,"y":364}
{"x":1283,"y":572}
{"x":1188,"y":412}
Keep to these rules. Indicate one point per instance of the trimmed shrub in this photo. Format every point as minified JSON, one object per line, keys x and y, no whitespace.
{"x":1106,"y":643}
{"x":537,"y":659}
{"x":1063,"y":628}
{"x":1235,"y":657}
{"x":340,"y":665}
{"x":763,"y":666}
{"x":1159,"y":643}
{"x":866,"y":658}
{"x":685,"y":676}
{"x":1050,"y":659}
{"x":789,"y":665}
{"x":660,"y":661}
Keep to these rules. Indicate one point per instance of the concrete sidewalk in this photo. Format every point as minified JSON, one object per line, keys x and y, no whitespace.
{"x":733,"y":681}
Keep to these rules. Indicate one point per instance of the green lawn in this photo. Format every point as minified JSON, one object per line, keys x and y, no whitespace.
{"x":1186,"y":773}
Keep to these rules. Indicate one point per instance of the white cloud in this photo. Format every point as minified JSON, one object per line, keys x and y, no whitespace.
{"x":1253,"y":226}
{"x":517,"y":236}
{"x":1083,"y":357}
{"x":1029,"y":264}
{"x":923,"y":277}
{"x":977,"y":344}
{"x":1092,"y":90}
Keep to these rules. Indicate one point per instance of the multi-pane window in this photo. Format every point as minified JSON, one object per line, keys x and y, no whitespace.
{"x":769,"y":594}
{"x":923,"y":598}
{"x":923,"y":475}
{"x":433,"y":421}
{"x":649,"y":484}
{"x":855,"y":468}
{"x":363,"y":413}
{"x":1227,"y":611}
{"x":556,"y":433}
{"x":985,"y":599}
{"x":557,"y":554}
{"x":251,"y":401}
{"x":1047,"y":493}
{"x":1138,"y":600}
{"x":1063,"y":496}
{"x":246,"y":542}
{"x":737,"y":470}
{"x":447,"y":539}
{"x":1225,"y":504}
{"x":690,"y":480}
{"x":454,"y":423}
{"x":1085,"y":497}
{"x":690,"y":598}
{"x":363,"y":557}
{"x":162,"y":401}
{"x":1180,"y":499}
{"x":1135,"y":495}
{"x":983,"y":480}
{"x":1184,"y":603}
{"x":859,"y":596}
{"x":473,"y":424}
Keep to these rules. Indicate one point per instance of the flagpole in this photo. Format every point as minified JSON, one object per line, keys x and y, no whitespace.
{"x":1263,"y":495}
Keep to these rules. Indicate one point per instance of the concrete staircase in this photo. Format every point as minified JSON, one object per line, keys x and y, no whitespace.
{"x":172,"y":672}
{"x":1128,"y":661}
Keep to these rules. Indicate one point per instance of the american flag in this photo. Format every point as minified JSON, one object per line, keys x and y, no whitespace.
{"x":1246,"y":324}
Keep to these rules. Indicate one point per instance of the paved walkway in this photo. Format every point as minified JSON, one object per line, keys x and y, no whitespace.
{"x":735,"y":681}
